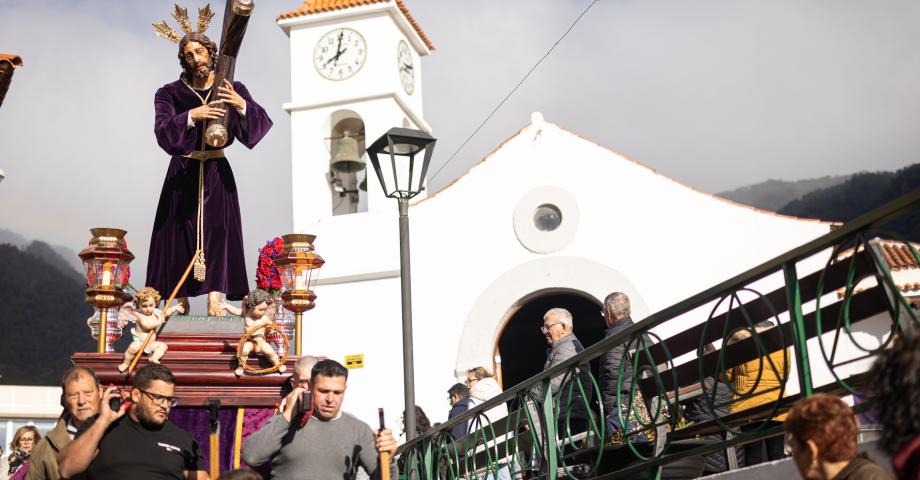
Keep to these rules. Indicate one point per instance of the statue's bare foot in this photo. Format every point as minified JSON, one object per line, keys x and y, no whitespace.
{"x":123,"y":367}
{"x":214,"y":305}
{"x":282,"y":369}
{"x":238,"y":372}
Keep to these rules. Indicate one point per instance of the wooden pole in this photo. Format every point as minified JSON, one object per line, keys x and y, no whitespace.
{"x":384,"y":456}
{"x":384,"y":465}
{"x":298,"y":318}
{"x":103,"y":319}
{"x":137,"y":356}
{"x":214,"y":437}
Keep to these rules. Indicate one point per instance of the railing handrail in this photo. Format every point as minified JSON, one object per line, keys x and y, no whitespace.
{"x":866,"y":221}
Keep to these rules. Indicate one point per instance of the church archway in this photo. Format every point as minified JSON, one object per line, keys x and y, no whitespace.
{"x":502,"y":299}
{"x":520,"y":350}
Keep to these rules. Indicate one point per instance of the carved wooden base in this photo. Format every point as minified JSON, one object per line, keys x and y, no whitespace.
{"x":203,"y":364}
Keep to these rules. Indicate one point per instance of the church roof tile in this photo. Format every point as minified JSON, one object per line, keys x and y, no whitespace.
{"x":319,"y":6}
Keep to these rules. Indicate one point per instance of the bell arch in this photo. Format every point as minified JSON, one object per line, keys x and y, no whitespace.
{"x":345,"y":143}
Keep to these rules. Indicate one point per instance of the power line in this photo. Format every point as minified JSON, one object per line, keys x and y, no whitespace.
{"x":497,"y":107}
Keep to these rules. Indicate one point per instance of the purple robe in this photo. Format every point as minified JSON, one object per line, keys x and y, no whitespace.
{"x":172,"y":242}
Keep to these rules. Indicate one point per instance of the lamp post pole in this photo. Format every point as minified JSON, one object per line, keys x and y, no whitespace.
{"x":406,"y":286}
{"x":405,"y":166}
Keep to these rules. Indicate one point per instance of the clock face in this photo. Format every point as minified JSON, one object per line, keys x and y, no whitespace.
{"x":406,"y":67}
{"x":339,"y":54}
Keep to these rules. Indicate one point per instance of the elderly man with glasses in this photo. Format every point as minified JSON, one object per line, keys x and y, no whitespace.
{"x":137,"y":440}
{"x":558,"y":329}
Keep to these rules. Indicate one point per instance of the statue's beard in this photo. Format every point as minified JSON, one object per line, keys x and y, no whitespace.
{"x":193,"y":73}
{"x":201,"y":72}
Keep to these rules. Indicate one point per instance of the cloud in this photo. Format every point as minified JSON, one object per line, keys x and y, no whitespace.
{"x":713,"y":93}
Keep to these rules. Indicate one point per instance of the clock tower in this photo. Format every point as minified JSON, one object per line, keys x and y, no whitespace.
{"x":354,"y":75}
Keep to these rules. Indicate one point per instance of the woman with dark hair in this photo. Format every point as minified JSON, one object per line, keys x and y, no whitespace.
{"x":20,"y":450}
{"x":821,"y":432}
{"x":894,"y":382}
{"x":422,"y":424}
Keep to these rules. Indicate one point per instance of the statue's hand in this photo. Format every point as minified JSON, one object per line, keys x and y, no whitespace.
{"x":228,"y":95}
{"x":205,"y":112}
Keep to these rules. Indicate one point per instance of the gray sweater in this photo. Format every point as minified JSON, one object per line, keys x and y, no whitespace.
{"x":320,"y":450}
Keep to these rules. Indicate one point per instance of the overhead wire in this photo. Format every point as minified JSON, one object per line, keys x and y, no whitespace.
{"x":521,"y":82}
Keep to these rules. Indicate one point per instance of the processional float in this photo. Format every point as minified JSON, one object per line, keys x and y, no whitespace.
{"x":203,"y":359}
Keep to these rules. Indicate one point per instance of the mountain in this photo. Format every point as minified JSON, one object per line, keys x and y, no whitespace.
{"x":67,"y":256}
{"x":775,"y":194}
{"x":43,"y":315}
{"x":859,"y":194}
{"x":52,"y":257}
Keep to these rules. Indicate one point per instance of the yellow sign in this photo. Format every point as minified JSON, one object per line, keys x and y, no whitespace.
{"x":354,"y":361}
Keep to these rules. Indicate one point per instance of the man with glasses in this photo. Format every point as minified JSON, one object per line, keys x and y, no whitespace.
{"x":80,"y":399}
{"x":137,"y":440}
{"x":563,"y":344}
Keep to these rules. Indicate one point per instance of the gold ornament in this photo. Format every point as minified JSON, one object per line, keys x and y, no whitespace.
{"x":181,"y":16}
{"x":163,"y":30}
{"x":200,"y":269}
{"x":204,"y":17}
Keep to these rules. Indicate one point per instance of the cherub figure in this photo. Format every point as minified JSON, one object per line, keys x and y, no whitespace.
{"x":257,"y":314}
{"x":145,"y":315}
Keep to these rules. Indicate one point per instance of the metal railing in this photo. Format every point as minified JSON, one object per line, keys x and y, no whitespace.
{"x":566,"y":433}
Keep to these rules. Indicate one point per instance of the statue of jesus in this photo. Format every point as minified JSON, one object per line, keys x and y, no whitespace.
{"x":198,"y":206}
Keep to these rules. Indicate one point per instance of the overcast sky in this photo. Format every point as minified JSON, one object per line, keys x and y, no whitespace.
{"x":716,"y":94}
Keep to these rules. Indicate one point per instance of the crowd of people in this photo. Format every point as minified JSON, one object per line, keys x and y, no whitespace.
{"x":104,"y":433}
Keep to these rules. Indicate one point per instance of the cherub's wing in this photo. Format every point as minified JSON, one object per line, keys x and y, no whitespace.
{"x":126,"y":314}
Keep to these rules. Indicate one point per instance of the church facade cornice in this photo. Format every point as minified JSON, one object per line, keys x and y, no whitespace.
{"x":292,"y":107}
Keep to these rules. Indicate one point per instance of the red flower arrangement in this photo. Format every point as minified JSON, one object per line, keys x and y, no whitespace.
{"x":267,"y":276}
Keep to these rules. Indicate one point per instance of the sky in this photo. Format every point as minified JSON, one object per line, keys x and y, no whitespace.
{"x":714,"y":93}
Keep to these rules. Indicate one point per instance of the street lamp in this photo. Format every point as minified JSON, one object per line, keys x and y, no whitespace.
{"x":106,"y":268}
{"x":299,"y":266}
{"x":400,"y":157}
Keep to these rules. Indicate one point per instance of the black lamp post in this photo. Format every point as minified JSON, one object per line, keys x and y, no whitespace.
{"x":400,"y":157}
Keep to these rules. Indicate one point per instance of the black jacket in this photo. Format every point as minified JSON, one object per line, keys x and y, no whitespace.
{"x":610,"y":369}
{"x":458,"y":408}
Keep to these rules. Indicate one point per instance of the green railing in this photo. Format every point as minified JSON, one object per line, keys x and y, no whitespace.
{"x":759,"y":337}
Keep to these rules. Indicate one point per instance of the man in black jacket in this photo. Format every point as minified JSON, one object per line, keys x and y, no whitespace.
{"x":617,"y":364}
{"x":459,"y":396}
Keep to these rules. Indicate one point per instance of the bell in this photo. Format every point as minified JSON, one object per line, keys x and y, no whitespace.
{"x":345,"y":157}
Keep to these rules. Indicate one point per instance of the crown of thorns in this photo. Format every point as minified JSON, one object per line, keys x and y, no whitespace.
{"x":163,"y":30}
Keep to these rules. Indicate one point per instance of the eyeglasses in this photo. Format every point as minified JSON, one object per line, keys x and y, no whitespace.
{"x":545,"y":328}
{"x":157,"y":398}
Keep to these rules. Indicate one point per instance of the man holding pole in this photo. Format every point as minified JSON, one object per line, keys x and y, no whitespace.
{"x":331,"y":446}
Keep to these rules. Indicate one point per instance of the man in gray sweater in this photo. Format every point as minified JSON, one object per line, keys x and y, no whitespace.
{"x":332,"y":445}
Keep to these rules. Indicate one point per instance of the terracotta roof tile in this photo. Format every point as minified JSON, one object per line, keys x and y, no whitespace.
{"x":320,"y":6}
{"x":12,"y":59}
{"x":897,"y":255}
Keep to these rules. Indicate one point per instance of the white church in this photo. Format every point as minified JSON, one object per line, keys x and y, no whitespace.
{"x":484,"y":267}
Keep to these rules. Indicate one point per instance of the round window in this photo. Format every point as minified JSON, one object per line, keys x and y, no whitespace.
{"x":547,"y":217}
